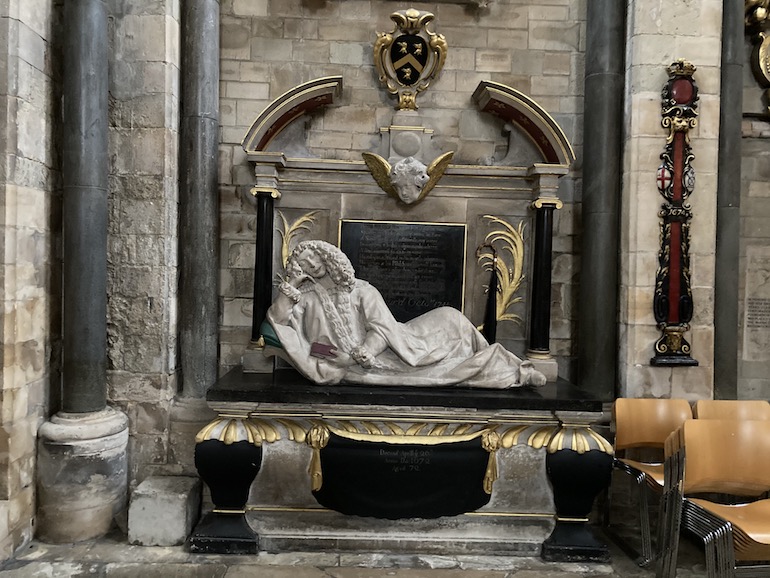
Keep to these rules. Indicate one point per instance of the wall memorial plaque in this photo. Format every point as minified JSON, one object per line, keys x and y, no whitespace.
{"x":416,"y":266}
{"x":756,"y":314}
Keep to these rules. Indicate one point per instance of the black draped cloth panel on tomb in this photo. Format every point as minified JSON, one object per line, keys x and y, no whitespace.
{"x":392,"y":481}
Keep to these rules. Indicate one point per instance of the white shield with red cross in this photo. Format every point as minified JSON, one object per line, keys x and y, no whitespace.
{"x":663,"y":178}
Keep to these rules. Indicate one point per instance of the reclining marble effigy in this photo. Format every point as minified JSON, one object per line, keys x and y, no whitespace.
{"x":334,"y":328}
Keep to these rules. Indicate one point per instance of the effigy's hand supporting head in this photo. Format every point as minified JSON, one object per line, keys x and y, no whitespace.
{"x":297,"y":280}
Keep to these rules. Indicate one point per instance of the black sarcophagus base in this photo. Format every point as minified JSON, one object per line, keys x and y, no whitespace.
{"x":393,"y":481}
{"x":330,"y":445}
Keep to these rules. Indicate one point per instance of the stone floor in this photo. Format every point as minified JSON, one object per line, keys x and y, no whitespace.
{"x":112,"y":557}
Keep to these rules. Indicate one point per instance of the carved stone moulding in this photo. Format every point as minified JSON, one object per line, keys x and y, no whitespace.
{"x":283,"y":110}
{"x":474,"y":3}
{"x":515,"y":107}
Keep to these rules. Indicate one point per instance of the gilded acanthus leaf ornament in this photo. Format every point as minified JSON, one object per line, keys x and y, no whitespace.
{"x":509,"y":240}
{"x":757,"y":25}
{"x":757,"y":13}
{"x":409,"y":57}
{"x":408,"y":180}
{"x":289,"y":232}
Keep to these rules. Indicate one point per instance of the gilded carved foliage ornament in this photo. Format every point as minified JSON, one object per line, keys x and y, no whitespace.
{"x":757,"y":24}
{"x":409,"y":57}
{"x":508,"y":239}
{"x":316,"y":433}
{"x":289,"y":233}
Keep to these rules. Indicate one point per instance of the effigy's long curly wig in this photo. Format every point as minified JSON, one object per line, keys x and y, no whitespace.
{"x":337,"y":264}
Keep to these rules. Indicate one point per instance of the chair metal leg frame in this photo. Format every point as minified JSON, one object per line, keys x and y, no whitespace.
{"x":717,"y":536}
{"x":717,"y":539}
{"x":671,"y":516}
{"x":704,"y":523}
{"x":751,"y":571}
{"x":668,"y":534}
{"x":723,"y":542}
{"x":644,"y":557}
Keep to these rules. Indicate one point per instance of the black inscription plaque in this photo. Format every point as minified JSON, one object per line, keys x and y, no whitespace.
{"x":416,"y":266}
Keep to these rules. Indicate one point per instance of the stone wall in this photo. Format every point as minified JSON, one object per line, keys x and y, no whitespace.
{"x":754,"y":314}
{"x":267,"y":48}
{"x":658,"y":34}
{"x":754,"y":332}
{"x":29,"y":237}
{"x":142,"y":255}
{"x":271,"y":47}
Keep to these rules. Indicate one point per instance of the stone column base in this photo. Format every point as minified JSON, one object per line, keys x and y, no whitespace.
{"x":82,"y":475}
{"x":255,"y":361}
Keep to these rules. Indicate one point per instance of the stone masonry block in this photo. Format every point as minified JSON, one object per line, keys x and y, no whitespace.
{"x":300,"y":28}
{"x":347,"y":53}
{"x":250,"y":7}
{"x":493,"y":61}
{"x":163,"y":510}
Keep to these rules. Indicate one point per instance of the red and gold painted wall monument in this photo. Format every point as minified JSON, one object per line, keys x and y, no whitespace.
{"x":673,"y":303}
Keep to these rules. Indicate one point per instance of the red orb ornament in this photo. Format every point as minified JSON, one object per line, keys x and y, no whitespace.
{"x":682,"y":91}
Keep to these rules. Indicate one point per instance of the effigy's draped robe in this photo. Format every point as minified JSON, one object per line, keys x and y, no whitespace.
{"x":438,"y":348}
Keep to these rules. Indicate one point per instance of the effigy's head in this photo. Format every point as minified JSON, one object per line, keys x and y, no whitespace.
{"x":318,"y":258}
{"x":409,"y":176}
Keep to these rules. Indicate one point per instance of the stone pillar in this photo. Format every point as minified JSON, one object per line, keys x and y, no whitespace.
{"x":82,"y":460}
{"x":199,"y":197}
{"x":85,"y":168}
{"x":651,"y":26}
{"x":726,"y":298}
{"x":82,"y":477}
{"x":603,"y":119}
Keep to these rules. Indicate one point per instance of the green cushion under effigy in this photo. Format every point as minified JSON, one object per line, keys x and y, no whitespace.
{"x":268,"y":333}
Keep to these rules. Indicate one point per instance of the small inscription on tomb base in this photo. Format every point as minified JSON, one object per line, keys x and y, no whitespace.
{"x":406,"y":460}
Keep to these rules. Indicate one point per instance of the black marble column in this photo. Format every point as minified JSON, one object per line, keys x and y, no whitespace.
{"x":602,"y":163}
{"x":263,"y":260}
{"x":540,"y":313}
{"x":199,"y":196}
{"x":85,"y":168}
{"x":726,"y":295}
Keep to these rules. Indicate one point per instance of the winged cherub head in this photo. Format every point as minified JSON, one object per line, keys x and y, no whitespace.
{"x":408,"y":177}
{"x":408,"y":180}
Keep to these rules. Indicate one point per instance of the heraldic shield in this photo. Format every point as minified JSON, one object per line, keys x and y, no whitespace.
{"x":409,"y":57}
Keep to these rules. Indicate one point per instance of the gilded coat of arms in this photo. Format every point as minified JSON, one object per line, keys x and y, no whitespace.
{"x":409,"y":57}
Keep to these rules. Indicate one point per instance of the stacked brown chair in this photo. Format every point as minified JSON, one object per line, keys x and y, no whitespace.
{"x":641,"y":429}
{"x":739,"y":409}
{"x":719,"y":457}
